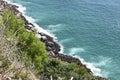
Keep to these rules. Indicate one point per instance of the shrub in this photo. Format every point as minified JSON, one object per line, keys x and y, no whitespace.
{"x":26,"y":41}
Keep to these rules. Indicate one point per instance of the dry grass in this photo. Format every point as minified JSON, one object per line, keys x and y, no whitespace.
{"x":11,"y":65}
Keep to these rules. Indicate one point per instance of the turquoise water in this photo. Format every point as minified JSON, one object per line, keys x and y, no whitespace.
{"x":89,"y":29}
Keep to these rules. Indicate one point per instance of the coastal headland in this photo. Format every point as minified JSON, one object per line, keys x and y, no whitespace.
{"x":52,"y":47}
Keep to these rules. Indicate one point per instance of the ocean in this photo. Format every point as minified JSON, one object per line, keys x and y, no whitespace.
{"x":86,"y":29}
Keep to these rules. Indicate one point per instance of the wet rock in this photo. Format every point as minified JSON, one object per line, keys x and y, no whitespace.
{"x":28,"y":27}
{"x":43,"y":38}
{"x":51,"y":44}
{"x":38,"y":36}
{"x":34,"y":29}
{"x":49,"y":48}
{"x":51,"y":53}
{"x":69,"y":59}
{"x":18,"y":14}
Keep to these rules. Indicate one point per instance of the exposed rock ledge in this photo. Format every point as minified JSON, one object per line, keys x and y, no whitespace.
{"x":52,"y":47}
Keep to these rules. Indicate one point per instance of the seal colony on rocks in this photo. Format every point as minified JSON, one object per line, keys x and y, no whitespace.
{"x":52,"y":47}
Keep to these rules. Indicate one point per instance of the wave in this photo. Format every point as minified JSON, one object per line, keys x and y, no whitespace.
{"x":96,"y":66}
{"x":74,"y":51}
{"x":103,"y":61}
{"x":96,"y":71}
{"x":66,"y":40}
{"x":57,"y":25}
{"x":55,"y":28}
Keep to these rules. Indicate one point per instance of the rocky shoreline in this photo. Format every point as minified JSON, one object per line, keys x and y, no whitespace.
{"x":52,"y":47}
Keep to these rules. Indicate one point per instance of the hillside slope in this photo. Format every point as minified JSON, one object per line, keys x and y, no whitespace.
{"x":24,"y":56}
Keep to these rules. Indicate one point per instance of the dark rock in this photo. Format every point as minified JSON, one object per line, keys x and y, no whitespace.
{"x":34,"y":29}
{"x":44,"y":39}
{"x":28,"y":27}
{"x":51,"y":53}
{"x":48,"y":48}
{"x":51,"y":44}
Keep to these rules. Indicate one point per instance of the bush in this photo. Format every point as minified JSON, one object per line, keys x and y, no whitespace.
{"x":12,"y":23}
{"x":26,"y":41}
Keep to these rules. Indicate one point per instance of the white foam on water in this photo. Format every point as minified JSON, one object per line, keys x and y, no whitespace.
{"x":62,"y":48}
{"x":66,"y":40}
{"x":9,"y":1}
{"x":96,"y":71}
{"x":57,"y":25}
{"x":55,"y":28}
{"x":103,"y":61}
{"x":76,"y":50}
{"x":95,"y":66}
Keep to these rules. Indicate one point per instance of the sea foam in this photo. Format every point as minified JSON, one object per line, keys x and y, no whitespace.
{"x":66,"y":40}
{"x":55,"y":28}
{"x":74,"y":50}
{"x":96,"y":71}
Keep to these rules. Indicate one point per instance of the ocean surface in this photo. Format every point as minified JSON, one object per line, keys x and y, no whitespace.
{"x":87,"y":29}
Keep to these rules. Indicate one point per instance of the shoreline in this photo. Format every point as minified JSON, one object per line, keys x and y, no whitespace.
{"x":52,"y":47}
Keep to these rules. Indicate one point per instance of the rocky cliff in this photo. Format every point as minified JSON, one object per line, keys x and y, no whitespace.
{"x":52,"y":47}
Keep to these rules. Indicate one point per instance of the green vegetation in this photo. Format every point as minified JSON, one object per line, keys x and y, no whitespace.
{"x":26,"y":41}
{"x":59,"y":69}
{"x":29,"y":50}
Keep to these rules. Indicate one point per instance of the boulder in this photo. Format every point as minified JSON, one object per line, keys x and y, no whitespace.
{"x":51,"y":53}
{"x":48,"y":48}
{"x":43,"y":38}
{"x":38,"y":36}
{"x":34,"y":29}
{"x":51,"y":44}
